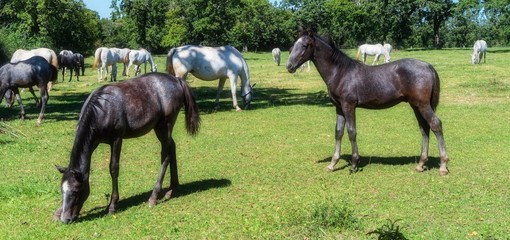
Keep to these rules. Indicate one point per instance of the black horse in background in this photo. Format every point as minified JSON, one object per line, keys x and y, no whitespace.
{"x":81,"y":60}
{"x":25,"y":74}
{"x":117,"y":111}
{"x":68,"y":59}
{"x":352,"y":84}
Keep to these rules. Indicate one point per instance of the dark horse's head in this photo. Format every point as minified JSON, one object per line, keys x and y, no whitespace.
{"x":75,"y":190}
{"x":301,"y":51}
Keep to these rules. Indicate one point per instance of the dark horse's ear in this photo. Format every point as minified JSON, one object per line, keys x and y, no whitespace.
{"x":61,"y":169}
{"x":301,"y":31}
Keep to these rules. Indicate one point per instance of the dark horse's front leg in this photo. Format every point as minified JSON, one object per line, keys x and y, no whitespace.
{"x":345,"y":115}
{"x":350,"y":117}
{"x":339,"y":133}
{"x":18,"y":98}
{"x":116,"y":146}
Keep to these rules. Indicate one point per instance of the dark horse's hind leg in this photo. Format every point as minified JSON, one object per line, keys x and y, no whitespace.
{"x":427,"y":120}
{"x":168,"y":156}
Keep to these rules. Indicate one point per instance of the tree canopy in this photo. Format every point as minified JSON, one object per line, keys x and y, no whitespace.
{"x":250,"y":24}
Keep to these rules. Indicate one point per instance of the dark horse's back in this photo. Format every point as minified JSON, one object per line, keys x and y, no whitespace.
{"x":33,"y":71}
{"x":134,"y":107}
{"x":407,"y":79}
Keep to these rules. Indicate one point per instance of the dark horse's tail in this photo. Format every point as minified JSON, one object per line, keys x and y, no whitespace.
{"x":434,"y":98}
{"x":190,"y":108}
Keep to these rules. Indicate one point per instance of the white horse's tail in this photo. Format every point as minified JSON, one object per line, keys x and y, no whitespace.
{"x":97,"y":57}
{"x":169,"y":64}
{"x":359,"y":53}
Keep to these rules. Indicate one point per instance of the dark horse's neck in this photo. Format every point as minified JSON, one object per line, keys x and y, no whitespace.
{"x":84,"y":142}
{"x":330,"y":61}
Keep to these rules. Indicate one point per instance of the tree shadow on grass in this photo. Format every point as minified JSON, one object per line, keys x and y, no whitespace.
{"x":262,"y":98}
{"x":343,"y":163}
{"x":67,"y":106}
{"x":61,"y":107}
{"x":142,"y":198}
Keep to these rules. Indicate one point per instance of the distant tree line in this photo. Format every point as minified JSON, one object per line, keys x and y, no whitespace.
{"x":255,"y":25}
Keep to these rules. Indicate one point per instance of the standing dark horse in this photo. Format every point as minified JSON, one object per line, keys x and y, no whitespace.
{"x":352,"y":84}
{"x":71,"y":61}
{"x":25,"y":74}
{"x":122,"y":110}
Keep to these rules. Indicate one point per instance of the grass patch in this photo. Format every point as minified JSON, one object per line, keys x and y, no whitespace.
{"x":260,"y":174}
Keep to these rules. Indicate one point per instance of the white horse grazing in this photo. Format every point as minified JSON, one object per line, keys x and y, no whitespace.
{"x":479,"y":51}
{"x":276,"y":55}
{"x":107,"y":58}
{"x":46,"y":53}
{"x":388,"y":47}
{"x":377,"y":50}
{"x":211,"y":63}
{"x":137,"y":57}
{"x":123,"y":57}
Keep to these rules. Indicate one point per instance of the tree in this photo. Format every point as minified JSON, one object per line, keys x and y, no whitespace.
{"x":53,"y":24}
{"x":436,"y":13}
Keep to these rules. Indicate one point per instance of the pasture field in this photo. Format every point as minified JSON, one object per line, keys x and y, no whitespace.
{"x":261,"y":173}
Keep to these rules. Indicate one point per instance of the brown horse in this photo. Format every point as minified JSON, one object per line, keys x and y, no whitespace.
{"x":123,"y":110}
{"x":352,"y":84}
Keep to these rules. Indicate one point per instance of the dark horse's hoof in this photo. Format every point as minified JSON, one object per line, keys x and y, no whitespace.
{"x":355,"y":170}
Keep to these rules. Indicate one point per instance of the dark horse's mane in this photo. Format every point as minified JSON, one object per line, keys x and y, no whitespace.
{"x":85,"y":130}
{"x":337,"y":56}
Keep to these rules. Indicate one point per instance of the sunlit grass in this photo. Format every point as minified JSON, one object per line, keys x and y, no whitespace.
{"x":260,"y":174}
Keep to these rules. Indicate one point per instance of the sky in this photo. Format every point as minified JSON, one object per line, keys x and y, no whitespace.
{"x":100,"y":6}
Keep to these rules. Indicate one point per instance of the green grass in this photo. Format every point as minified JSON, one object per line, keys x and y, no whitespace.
{"x":260,"y":174}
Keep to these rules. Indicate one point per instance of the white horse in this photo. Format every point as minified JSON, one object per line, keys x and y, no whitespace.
{"x":276,"y":55}
{"x":388,"y":47}
{"x":107,"y":58}
{"x":123,"y":57}
{"x":137,"y":57}
{"x":377,"y":50}
{"x":479,"y":51}
{"x":211,"y":63}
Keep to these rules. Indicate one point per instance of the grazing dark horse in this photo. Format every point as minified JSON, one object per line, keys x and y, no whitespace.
{"x":352,"y":84}
{"x":81,"y":60}
{"x":25,"y":74}
{"x":70,"y":61}
{"x":122,"y":110}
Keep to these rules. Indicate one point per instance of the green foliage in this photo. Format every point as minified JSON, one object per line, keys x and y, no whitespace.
{"x":175,"y":28}
{"x":389,"y":231}
{"x":252,"y":24}
{"x":52,"y":24}
{"x":335,"y":216}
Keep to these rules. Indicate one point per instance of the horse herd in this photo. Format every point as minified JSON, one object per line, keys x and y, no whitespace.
{"x":132,"y":108}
